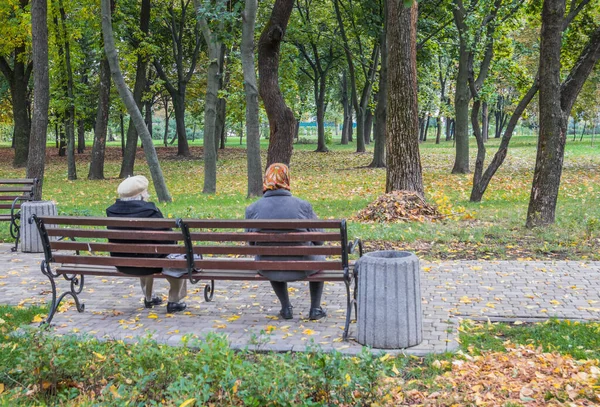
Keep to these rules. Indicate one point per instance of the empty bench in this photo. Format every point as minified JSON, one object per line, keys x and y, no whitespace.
{"x":214,"y":250}
{"x":13,"y":192}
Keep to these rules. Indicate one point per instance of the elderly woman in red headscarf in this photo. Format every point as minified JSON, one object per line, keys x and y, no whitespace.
{"x":278,"y":203}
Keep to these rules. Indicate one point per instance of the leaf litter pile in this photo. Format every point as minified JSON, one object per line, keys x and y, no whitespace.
{"x":524,"y":376}
{"x":399,"y":206}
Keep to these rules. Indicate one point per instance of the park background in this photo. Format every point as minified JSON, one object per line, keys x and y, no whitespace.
{"x":477,"y":65}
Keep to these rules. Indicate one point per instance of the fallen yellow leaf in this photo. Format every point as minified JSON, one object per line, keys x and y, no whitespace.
{"x":188,"y":403}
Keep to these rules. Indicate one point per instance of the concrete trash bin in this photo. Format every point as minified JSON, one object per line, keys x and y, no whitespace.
{"x":389,"y":300}
{"x":30,"y":237}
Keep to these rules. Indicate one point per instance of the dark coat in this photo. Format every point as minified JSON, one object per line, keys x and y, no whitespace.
{"x":135,"y":209}
{"x":280,"y":204}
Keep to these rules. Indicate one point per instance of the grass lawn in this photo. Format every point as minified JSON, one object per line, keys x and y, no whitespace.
{"x":339,"y":184}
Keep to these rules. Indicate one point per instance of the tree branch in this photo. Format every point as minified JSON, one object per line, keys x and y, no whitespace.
{"x":573,"y":12}
{"x":580,"y":72}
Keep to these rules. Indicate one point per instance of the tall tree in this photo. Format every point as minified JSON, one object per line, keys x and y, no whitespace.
{"x":14,"y":50}
{"x":556,"y":100}
{"x":316,"y":42}
{"x":128,"y":162}
{"x":356,"y":46}
{"x":251,"y":90}
{"x":181,"y":55}
{"x":404,"y":170}
{"x":482,"y":181}
{"x":281,"y":118}
{"x":215,"y":50}
{"x":381,"y":109}
{"x":41,"y":90}
{"x":99,"y":147}
{"x":70,"y":110}
{"x":150,"y":152}
{"x":475,"y":24}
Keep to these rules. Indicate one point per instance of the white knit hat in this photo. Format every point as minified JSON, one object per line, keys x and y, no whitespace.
{"x":132,"y":186}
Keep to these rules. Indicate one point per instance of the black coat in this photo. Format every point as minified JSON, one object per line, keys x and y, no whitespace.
{"x":135,"y":209}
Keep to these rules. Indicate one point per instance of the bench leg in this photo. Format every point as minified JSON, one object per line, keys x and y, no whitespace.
{"x":76,"y":282}
{"x":209,"y":291}
{"x":15,"y":232}
{"x":350,"y":301}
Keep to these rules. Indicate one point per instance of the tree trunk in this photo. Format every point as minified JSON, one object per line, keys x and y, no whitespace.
{"x":403,"y":159}
{"x":461,"y":107}
{"x":281,"y":118}
{"x":41,"y":90}
{"x":183,"y":149}
{"x":99,"y":147}
{"x":555,"y":104}
{"x":167,"y":116}
{"x":480,"y":187}
{"x":368,"y":126}
{"x":148,"y":115}
{"x":438,"y":130}
{"x":347,"y":125}
{"x":156,"y":172}
{"x":381,"y":109}
{"x":553,"y":122}
{"x":70,"y":113}
{"x":121,"y":124}
{"x":321,"y":146}
{"x":62,"y":145}
{"x":138,"y":88}
{"x":363,"y":106}
{"x":210,"y":117}
{"x":20,"y":102}
{"x":485,"y":122}
{"x":220,"y":122}
{"x":80,"y":136}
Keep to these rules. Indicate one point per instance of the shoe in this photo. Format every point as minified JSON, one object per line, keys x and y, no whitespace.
{"x":175,"y":307}
{"x":154,"y":301}
{"x":286,"y":313}
{"x":316,"y":313}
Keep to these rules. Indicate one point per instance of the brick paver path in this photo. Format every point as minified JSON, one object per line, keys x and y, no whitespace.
{"x":247,"y":311}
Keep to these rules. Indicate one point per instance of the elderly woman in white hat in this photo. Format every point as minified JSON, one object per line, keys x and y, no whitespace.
{"x":133,"y":203}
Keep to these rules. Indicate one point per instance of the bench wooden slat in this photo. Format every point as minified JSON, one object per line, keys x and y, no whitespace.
{"x":263,"y":224}
{"x":269,"y":250}
{"x":9,"y":206}
{"x":216,"y":264}
{"x":16,"y":189}
{"x":13,"y":197}
{"x":18,"y":181}
{"x":265,"y":237}
{"x":219,"y":250}
{"x":118,"y":247}
{"x":4,"y":218}
{"x":119,"y":261}
{"x":116,"y":234}
{"x":109,"y":271}
{"x":161,"y":223}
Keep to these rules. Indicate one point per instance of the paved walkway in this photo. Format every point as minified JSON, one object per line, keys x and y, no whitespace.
{"x":246,"y":312}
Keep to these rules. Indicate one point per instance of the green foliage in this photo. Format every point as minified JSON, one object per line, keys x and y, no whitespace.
{"x":69,"y":370}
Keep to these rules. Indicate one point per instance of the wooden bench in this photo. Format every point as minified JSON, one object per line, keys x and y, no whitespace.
{"x":222,"y":250}
{"x":12,"y":193}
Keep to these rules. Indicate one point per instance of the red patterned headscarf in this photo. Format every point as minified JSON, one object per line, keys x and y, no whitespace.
{"x":276,"y":177}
